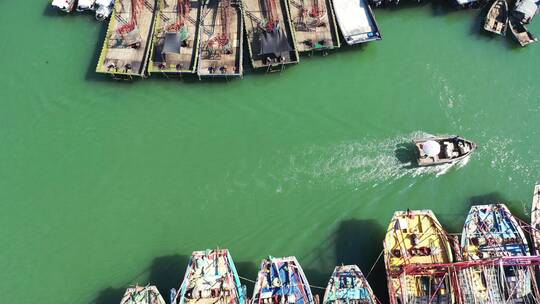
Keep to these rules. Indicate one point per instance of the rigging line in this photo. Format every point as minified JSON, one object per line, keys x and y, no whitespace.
{"x":253,"y":281}
{"x":375,"y":264}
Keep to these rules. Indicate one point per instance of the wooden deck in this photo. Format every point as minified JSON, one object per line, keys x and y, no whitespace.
{"x":125,"y":51}
{"x":255,"y":18}
{"x":168,"y":21}
{"x":221,"y":39}
{"x":314,"y":25}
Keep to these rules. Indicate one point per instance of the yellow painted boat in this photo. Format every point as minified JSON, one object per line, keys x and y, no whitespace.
{"x":415,"y":243}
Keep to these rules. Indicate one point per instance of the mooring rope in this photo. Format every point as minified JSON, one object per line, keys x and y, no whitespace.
{"x":375,"y":264}
{"x":252,"y":281}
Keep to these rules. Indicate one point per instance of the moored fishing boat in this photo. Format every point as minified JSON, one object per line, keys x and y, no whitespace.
{"x":64,"y":5}
{"x":270,"y":40}
{"x":127,"y":42}
{"x":222,"y":35}
{"x":211,"y":277}
{"x":416,"y":239}
{"x":314,"y":25}
{"x":281,"y":280}
{"x":491,"y":232}
{"x":356,"y":21}
{"x":436,"y":150}
{"x":175,"y":43}
{"x":142,"y":295}
{"x":348,"y":285}
{"x":497,"y":17}
{"x":521,"y":34}
{"x":535,"y":219}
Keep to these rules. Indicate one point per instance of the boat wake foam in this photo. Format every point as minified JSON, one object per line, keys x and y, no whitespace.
{"x":364,"y":161}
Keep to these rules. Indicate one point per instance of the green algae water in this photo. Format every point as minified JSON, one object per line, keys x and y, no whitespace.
{"x":105,"y":184}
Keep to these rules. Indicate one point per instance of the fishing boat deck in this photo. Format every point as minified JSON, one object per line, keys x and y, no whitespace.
{"x":211,"y":279}
{"x":316,"y":29}
{"x":256,"y":17}
{"x":221,"y":40}
{"x":125,"y":52}
{"x":413,"y":240}
{"x":142,"y":295}
{"x":281,"y":279}
{"x":348,"y":285}
{"x":491,"y":231}
{"x":176,"y":38}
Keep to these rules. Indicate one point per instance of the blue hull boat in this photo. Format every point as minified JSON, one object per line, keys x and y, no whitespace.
{"x":348,"y":285}
{"x":492,"y":232}
{"x":281,"y":280}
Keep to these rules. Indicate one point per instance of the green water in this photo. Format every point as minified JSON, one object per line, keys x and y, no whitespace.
{"x":106,"y":184}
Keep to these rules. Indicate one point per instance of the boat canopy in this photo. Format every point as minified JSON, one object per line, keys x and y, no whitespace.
{"x":62,"y":4}
{"x":85,"y":4}
{"x":172,"y":43}
{"x":528,"y":8}
{"x":431,"y":148}
{"x":274,"y":42}
{"x":104,"y":2}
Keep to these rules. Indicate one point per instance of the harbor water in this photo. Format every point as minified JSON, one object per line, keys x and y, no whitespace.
{"x":104,"y":184}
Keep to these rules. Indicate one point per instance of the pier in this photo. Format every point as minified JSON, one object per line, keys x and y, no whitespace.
{"x":271,"y":42}
{"x":176,"y":37}
{"x":314,"y":25}
{"x":127,"y":42}
{"x":222,"y":34}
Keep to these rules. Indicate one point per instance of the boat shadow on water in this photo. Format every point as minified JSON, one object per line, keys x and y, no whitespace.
{"x":405,"y":153}
{"x":359,"y":242}
{"x":354,"y":242}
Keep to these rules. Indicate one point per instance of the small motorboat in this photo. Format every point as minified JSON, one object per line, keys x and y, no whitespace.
{"x":535,"y":219}
{"x":490,"y":232}
{"x":521,"y":33}
{"x":85,"y":5}
{"x":104,"y":9}
{"x":142,"y":295}
{"x":497,"y":18}
{"x":281,"y":280}
{"x":211,"y":277}
{"x":442,"y":150}
{"x":64,"y":5}
{"x":415,"y":238}
{"x":348,"y":285}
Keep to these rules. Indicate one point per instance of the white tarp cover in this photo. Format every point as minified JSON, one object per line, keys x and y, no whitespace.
{"x":85,"y":4}
{"x":465,"y":2}
{"x":527,"y":7}
{"x":104,"y":2}
{"x":62,"y":4}
{"x":353,"y":17}
{"x":431,"y":148}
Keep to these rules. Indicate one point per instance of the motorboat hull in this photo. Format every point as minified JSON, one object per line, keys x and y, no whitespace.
{"x":455,"y":149}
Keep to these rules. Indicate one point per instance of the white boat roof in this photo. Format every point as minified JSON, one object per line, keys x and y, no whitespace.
{"x":61,"y":3}
{"x":463,"y":2}
{"x":354,"y":17}
{"x":527,"y":7}
{"x":85,"y":2}
{"x":104,"y":2}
